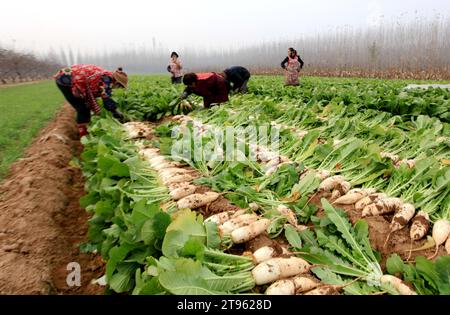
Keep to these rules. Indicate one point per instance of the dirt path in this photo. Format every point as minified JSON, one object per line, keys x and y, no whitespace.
{"x":40,"y":219}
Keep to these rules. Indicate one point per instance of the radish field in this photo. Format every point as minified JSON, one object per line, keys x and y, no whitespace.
{"x":339,"y":186}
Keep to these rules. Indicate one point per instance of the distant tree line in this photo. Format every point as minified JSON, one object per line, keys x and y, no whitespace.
{"x":416,"y":49}
{"x":22,"y":67}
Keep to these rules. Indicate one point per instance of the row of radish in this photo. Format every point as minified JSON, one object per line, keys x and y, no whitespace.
{"x":368,"y":200}
{"x":396,"y":160}
{"x":287,"y":274}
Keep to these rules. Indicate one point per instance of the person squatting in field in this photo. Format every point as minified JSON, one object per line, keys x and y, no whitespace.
{"x":211,"y":86}
{"x":82,"y":84}
{"x":174,"y":67}
{"x":292,"y":65}
{"x":237,"y":78}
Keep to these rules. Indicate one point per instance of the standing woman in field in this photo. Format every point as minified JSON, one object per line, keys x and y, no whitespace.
{"x":292,"y":65}
{"x":174,"y":68}
{"x":82,"y":84}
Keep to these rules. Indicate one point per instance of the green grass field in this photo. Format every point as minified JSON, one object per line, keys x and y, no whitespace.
{"x":25,"y":109}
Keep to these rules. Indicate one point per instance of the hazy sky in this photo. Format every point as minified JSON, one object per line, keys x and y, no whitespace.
{"x":95,"y":25}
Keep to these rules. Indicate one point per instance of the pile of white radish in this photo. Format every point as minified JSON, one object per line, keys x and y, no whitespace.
{"x":336,"y":186}
{"x":137,"y":129}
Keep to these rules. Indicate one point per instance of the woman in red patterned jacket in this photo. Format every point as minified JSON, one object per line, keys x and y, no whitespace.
{"x":210,"y":85}
{"x":82,"y":84}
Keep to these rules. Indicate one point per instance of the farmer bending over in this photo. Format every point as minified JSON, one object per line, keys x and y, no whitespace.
{"x":211,"y":86}
{"x":82,"y":84}
{"x":237,"y":78}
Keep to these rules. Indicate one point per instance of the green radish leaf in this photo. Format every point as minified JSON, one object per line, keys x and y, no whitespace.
{"x":395,"y":264}
{"x":292,"y":236}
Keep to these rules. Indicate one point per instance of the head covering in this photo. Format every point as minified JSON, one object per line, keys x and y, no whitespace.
{"x":121,"y":77}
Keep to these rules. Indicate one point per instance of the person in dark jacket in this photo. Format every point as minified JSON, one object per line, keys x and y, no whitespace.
{"x":292,"y":64}
{"x":211,"y":86}
{"x":82,"y":84}
{"x":237,"y":78}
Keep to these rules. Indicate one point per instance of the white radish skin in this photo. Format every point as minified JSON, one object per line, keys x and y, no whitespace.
{"x":305,"y":283}
{"x":156,"y":160}
{"x":447,"y":246}
{"x":182,"y":192}
{"x":324,"y":290}
{"x":178,"y":179}
{"x":178,"y":185}
{"x":268,"y":252}
{"x":164,"y":165}
{"x":355,"y":195}
{"x":349,"y":198}
{"x":401,"y":218}
{"x":382,"y":206}
{"x":166,"y":176}
{"x":195,"y":201}
{"x":323,"y":174}
{"x":328,"y":184}
{"x":362,"y":203}
{"x":335,"y":194}
{"x":254,"y":206}
{"x":420,"y":226}
{"x":247,"y":233}
{"x":235,"y":223}
{"x":278,"y":268}
{"x":397,"y":284}
{"x":440,"y":233}
{"x":281,"y":287}
{"x":344,"y":187}
{"x":221,"y":217}
{"x":288,"y":213}
{"x":296,"y":285}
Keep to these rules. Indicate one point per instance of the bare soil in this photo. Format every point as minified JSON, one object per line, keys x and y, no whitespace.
{"x":41,"y":222}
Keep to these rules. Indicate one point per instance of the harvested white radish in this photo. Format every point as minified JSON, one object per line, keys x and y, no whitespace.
{"x":288,"y":213}
{"x":324,"y":290}
{"x":349,"y":198}
{"x":397,"y":284}
{"x":382,"y":206}
{"x":344,"y":187}
{"x":328,"y":184}
{"x":401,"y":219}
{"x":281,"y":287}
{"x":174,"y":186}
{"x":197,"y":200}
{"x":246,"y":233}
{"x":221,"y":217}
{"x":440,"y":233}
{"x":296,"y":285}
{"x":354,"y":195}
{"x":156,"y":160}
{"x":235,"y":223}
{"x":395,"y":158}
{"x":361,"y":204}
{"x":305,"y":283}
{"x":178,"y":179}
{"x":447,"y":245}
{"x":335,"y":194}
{"x":166,"y":165}
{"x":323,"y":174}
{"x":420,"y":226}
{"x":182,"y":192}
{"x":165,"y":177}
{"x":279,"y":268}
{"x":254,"y":206}
{"x":267,"y":252}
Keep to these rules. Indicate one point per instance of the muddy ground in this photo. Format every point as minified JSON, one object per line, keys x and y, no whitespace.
{"x":41,"y":222}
